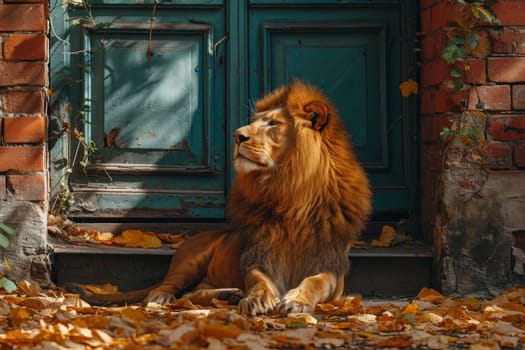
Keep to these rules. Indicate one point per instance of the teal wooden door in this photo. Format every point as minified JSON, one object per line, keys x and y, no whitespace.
{"x":160,"y":99}
{"x":353,"y":51}
{"x":146,"y":87}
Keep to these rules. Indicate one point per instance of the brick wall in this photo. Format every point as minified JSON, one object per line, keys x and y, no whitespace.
{"x":500,"y":75}
{"x":23,"y":100}
{"x":474,"y":216}
{"x":23,"y":135}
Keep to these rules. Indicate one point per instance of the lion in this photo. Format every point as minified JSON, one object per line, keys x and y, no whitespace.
{"x":299,"y":199}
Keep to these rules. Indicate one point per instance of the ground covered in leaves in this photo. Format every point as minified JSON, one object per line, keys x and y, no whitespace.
{"x":31,"y":318}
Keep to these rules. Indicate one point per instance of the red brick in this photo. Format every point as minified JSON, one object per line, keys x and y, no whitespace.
{"x":495,"y":97}
{"x":510,"y":12}
{"x":22,"y":17}
{"x":22,"y":158}
{"x":25,"y":130}
{"x":496,"y":127}
{"x":432,"y":45}
{"x":507,"y":127}
{"x":502,"y":40}
{"x":518,"y":97}
{"x":426,"y":105}
{"x":2,"y":187}
{"x":440,"y":100}
{"x":478,"y":71}
{"x":20,"y":101}
{"x":429,"y":182}
{"x":434,"y":73}
{"x":428,"y":3}
{"x":428,"y":212}
{"x":27,"y":187}
{"x":433,"y":157}
{"x":23,"y":73}
{"x":426,"y":20}
{"x":26,"y":47}
{"x":443,"y":14}
{"x":519,"y":154}
{"x":515,"y":127}
{"x":500,"y":155}
{"x":506,"y":69}
{"x":431,"y":127}
{"x":448,"y":100}
{"x":519,"y":42}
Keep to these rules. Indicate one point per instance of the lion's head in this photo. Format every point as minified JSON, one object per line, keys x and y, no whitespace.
{"x":295,"y":160}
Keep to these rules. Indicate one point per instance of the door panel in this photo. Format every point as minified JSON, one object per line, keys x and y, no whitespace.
{"x":151,"y":97}
{"x":350,"y":52}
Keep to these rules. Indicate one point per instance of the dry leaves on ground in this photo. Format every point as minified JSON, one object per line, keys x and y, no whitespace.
{"x":52,"y":319}
{"x":133,"y":238}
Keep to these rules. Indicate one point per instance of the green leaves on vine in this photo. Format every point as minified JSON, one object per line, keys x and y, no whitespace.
{"x":464,"y":39}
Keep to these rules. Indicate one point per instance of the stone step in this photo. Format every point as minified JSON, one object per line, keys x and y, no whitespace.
{"x":375,"y":272}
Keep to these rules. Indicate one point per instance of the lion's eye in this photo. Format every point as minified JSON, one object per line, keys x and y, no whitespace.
{"x":272,"y":122}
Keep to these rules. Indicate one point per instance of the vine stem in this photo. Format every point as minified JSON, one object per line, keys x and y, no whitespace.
{"x":473,"y":77}
{"x":149,"y":53}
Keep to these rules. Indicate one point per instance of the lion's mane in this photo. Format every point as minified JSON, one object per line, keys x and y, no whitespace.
{"x":300,"y":218}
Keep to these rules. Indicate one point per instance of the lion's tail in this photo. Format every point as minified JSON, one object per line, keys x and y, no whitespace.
{"x":119,"y":298}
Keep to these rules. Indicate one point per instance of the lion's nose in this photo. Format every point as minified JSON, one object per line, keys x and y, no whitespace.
{"x":240,"y":138}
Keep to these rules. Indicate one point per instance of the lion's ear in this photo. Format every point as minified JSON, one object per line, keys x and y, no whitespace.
{"x":317,"y":113}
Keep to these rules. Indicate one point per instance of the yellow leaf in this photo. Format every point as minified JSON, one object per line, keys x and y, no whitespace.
{"x":104,"y":236}
{"x":408,"y":87}
{"x":388,"y":233}
{"x":18,"y":316}
{"x":169,"y":238}
{"x":393,"y":342}
{"x":221,"y":331}
{"x":107,"y":288}
{"x":430,"y":295}
{"x":410,"y":308}
{"x":482,"y":13}
{"x":6,"y":263}
{"x":132,"y":315}
{"x":137,"y":238}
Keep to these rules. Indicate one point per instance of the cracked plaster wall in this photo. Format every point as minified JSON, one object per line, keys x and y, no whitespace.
{"x":28,"y":251}
{"x":475,"y":231}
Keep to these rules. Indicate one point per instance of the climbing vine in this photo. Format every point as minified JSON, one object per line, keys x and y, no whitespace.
{"x":71,"y":119}
{"x":465,"y":40}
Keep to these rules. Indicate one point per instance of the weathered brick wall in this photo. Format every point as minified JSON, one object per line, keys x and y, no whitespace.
{"x":474,"y":227}
{"x":23,"y":86}
{"x":23,"y":132}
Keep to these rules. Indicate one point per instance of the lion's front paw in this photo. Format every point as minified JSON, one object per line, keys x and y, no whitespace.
{"x":257,"y":303}
{"x":159,"y":297}
{"x":289,"y":305}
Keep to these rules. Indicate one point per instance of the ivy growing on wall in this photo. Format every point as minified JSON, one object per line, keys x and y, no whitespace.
{"x":464,"y":41}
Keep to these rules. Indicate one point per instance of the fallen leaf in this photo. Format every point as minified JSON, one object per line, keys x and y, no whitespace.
{"x":106,"y":288}
{"x":388,"y":233}
{"x":111,"y":137}
{"x":298,"y":320}
{"x":171,"y":238}
{"x":139,"y":239}
{"x":18,"y":315}
{"x":132,"y":315}
{"x":430,"y":295}
{"x":408,"y":87}
{"x":221,"y":331}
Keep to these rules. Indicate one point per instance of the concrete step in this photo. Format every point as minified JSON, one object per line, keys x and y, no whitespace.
{"x":375,"y":272}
